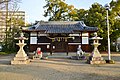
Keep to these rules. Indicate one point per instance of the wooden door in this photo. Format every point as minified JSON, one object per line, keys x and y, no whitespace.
{"x":59,"y":46}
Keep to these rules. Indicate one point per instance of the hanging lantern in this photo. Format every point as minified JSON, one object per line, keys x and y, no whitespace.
{"x":53,"y":40}
{"x":73,"y":38}
{"x":58,"y":39}
{"x":65,"y":39}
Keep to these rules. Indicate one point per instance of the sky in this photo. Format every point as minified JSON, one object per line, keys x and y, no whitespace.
{"x":34,"y":8}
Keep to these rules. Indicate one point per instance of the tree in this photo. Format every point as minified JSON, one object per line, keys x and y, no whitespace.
{"x":13,"y":31}
{"x":58,"y":10}
{"x":81,"y":15}
{"x":116,"y":30}
{"x":96,"y":17}
{"x":115,"y":5}
{"x":10,"y":5}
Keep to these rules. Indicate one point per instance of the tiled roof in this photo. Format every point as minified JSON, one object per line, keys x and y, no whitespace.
{"x":61,"y":27}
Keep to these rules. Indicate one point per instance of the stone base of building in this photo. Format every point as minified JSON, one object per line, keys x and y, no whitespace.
{"x":96,"y":60}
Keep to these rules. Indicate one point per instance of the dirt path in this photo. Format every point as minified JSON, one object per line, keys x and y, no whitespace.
{"x":58,"y":69}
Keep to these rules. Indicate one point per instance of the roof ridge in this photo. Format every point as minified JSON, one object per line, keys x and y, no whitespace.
{"x":59,"y":22}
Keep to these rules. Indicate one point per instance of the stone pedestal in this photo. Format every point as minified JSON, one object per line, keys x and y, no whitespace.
{"x":96,"y":60}
{"x":21,"y":57}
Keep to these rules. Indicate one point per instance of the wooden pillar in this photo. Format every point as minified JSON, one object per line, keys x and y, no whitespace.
{"x":29,"y":41}
{"x":88,"y":42}
{"x":81,"y":39}
{"x":66,"y":43}
{"x":67,"y":48}
{"x":51,"y":45}
{"x":37,"y":40}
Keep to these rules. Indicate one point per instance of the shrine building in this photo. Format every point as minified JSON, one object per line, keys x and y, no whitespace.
{"x":59,"y":36}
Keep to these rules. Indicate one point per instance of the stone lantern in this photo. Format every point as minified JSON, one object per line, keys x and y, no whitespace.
{"x":95,"y":57}
{"x":21,"y":57}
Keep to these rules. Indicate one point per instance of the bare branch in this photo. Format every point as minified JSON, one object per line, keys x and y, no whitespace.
{"x":4,"y":1}
{"x":118,"y":14}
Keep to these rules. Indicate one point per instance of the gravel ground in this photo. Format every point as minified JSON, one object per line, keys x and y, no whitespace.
{"x":59,"y":69}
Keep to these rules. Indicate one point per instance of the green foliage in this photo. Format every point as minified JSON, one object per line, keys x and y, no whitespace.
{"x":96,"y":16}
{"x":81,"y":14}
{"x":116,"y":30}
{"x":115,"y":5}
{"x":3,"y":53}
{"x":58,"y":10}
{"x":10,"y":46}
